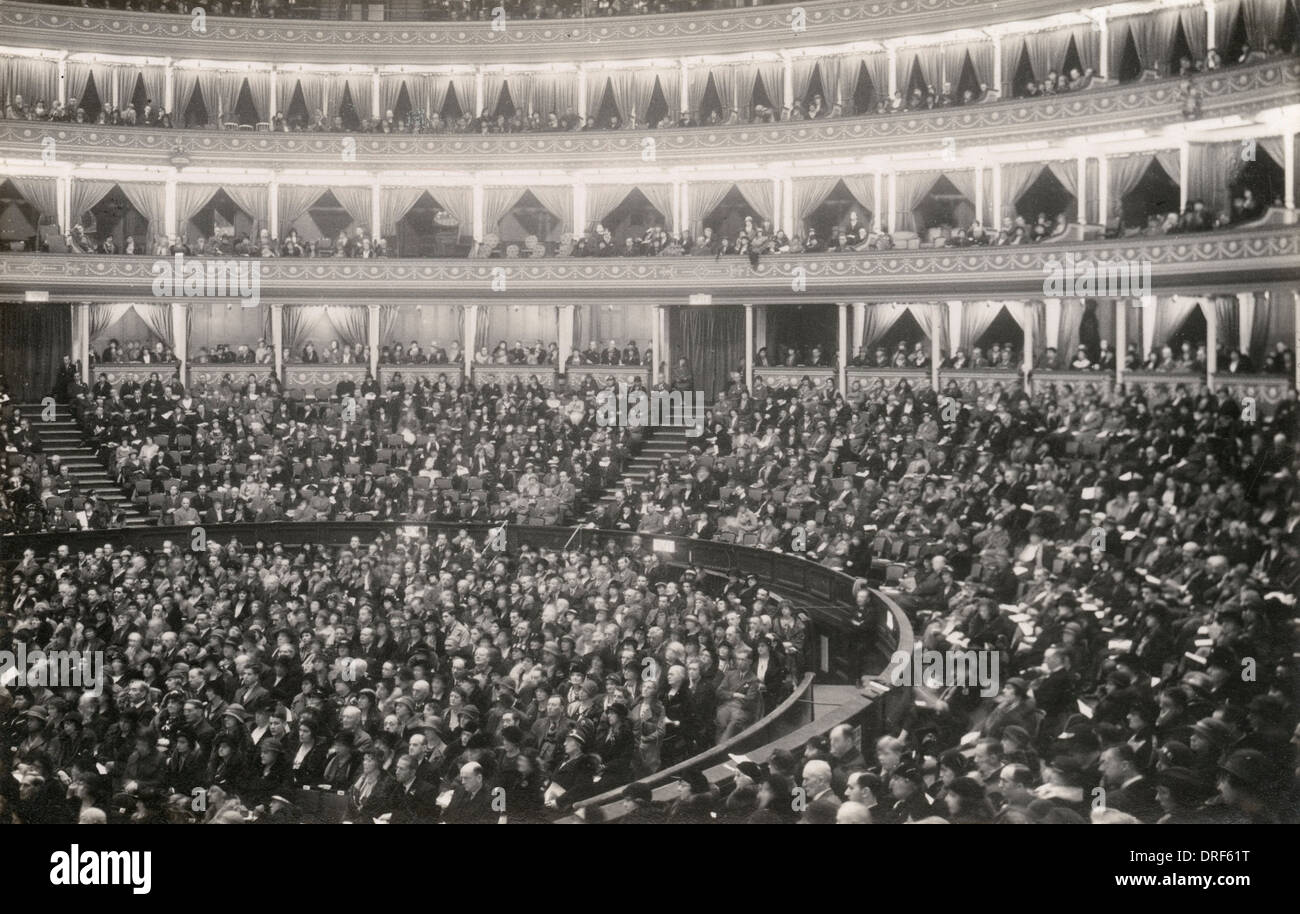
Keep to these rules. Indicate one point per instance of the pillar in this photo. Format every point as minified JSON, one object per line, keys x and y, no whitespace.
{"x":470,"y":329}
{"x":780,"y":204}
{"x":565,"y":315}
{"x":181,"y":338}
{"x":979,"y":195}
{"x":372,"y":338}
{"x":954,"y":326}
{"x":1103,"y":46}
{"x":1211,"y":314}
{"x":678,"y":190}
{"x":277,"y":338}
{"x":842,"y":362}
{"x":579,"y":208}
{"x":376,"y":210}
{"x":997,"y":196}
{"x":168,"y":101}
{"x":1103,"y":190}
{"x":893,"y":201}
{"x":1149,"y":305}
{"x":81,"y":343}
{"x":1052,"y":322}
{"x":1211,"y":13}
{"x":271,"y":100}
{"x":997,"y":64}
{"x":582,"y":92}
{"x":63,"y":201}
{"x":788,"y":195}
{"x":760,"y":327}
{"x":665,"y":352}
{"x":171,"y":219}
{"x":657,"y":345}
{"x":1027,"y":310}
{"x":787,"y":83}
{"x":273,"y":207}
{"x":1245,"y":321}
{"x":749,"y":346}
{"x":936,"y":351}
{"x":877,"y":221}
{"x":685,"y":208}
{"x":1121,"y":340}
{"x":63,"y":78}
{"x":478,"y":212}
{"x":684,"y":93}
{"x":1082,"y":166}
{"x":1184,"y":163}
{"x":1288,"y":169}
{"x":478,"y":91}
{"x":376,"y":98}
{"x":891,"y":54}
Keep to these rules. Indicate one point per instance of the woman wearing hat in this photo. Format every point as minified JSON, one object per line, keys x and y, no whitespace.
{"x":307,"y":755}
{"x":226,"y":767}
{"x":272,"y":774}
{"x":573,"y":780}
{"x":373,"y":793}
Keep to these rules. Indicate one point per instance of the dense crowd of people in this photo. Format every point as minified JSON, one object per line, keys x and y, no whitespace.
{"x":421,"y":678}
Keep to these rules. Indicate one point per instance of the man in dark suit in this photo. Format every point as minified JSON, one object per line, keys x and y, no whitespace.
{"x":738,"y":697}
{"x":1127,"y":789}
{"x":251,"y":693}
{"x":416,"y":800}
{"x":471,"y":803}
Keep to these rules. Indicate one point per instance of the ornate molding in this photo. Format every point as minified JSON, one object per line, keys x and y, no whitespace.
{"x":505,"y":374}
{"x":117,"y":372}
{"x":1239,"y":91}
{"x":211,"y":373}
{"x":630,"y":37}
{"x":298,"y":374}
{"x":1204,"y":263}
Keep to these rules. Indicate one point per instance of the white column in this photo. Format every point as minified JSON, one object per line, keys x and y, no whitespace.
{"x":63,"y":79}
{"x":82,"y":328}
{"x":1210,"y":312}
{"x":181,"y":332}
{"x":676,"y":214}
{"x":1052,"y":322}
{"x":1103,"y":190}
{"x":1245,"y":320}
{"x":277,"y":338}
{"x":666,"y":342}
{"x":891,"y":55}
{"x":1211,"y":13}
{"x":582,"y":92}
{"x":843,"y":360}
{"x":1149,"y":305}
{"x":376,"y":210}
{"x":1082,"y":195}
{"x":979,"y":195}
{"x":1121,"y":339}
{"x":955,"y":341}
{"x":684,"y":94}
{"x":375,"y":95}
{"x":1103,"y":47}
{"x":171,"y":219}
{"x":565,"y":336}
{"x":1028,"y":307}
{"x":893,"y":201}
{"x":579,"y":208}
{"x":117,"y":87}
{"x":62,"y":200}
{"x":1288,"y":169}
{"x":656,"y":345}
{"x":859,"y":323}
{"x":478,"y":91}
{"x":997,"y":196}
{"x":372,"y":338}
{"x":787,"y":82}
{"x":685,"y":209}
{"x":997,"y":64}
{"x":790,"y":215}
{"x":168,"y":101}
{"x":273,"y":207}
{"x":1184,"y":160}
{"x":936,"y":351}
{"x":271,"y":101}
{"x":780,"y":204}
{"x":478,"y":213}
{"x":877,"y":218}
{"x":749,"y":347}
{"x":471,"y":333}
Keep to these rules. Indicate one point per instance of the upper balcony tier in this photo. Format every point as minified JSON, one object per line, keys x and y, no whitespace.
{"x":773,"y":27}
{"x":1205,"y":263}
{"x":1222,"y":99}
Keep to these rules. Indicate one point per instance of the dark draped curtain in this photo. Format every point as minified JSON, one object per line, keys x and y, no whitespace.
{"x":34,"y":338}
{"x":712,"y":340}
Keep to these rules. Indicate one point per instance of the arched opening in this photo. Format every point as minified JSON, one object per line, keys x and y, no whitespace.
{"x":815,"y":88}
{"x":220,"y":218}
{"x":19,"y":221}
{"x":658,"y":110}
{"x":801,"y":329}
{"x":245,"y":113}
{"x":1237,"y":38}
{"x":91,"y":101}
{"x":115,"y":217}
{"x":452,"y":107}
{"x":606,"y":113}
{"x":711,"y":106}
{"x":402,"y":107}
{"x":1155,"y":195}
{"x":728,"y":217}
{"x":633,"y":216}
{"x":196,"y":109}
{"x":968,"y":88}
{"x":1073,"y":66}
{"x":906,"y":330}
{"x":865,"y":96}
{"x":529,"y":218}
{"x":1130,"y":63}
{"x":1046,"y":197}
{"x":1189,"y":336}
{"x":1264,"y":178}
{"x":1002,"y":332}
{"x":428,"y":230}
{"x":298,"y":115}
{"x":1180,"y":52}
{"x":1024,"y":74}
{"x":918,"y":90}
{"x":348,"y":110}
{"x":944,"y":207}
{"x":1290,"y":38}
{"x":834,"y":211}
{"x":138,"y":98}
{"x":324,"y":219}
{"x":765,"y":98}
